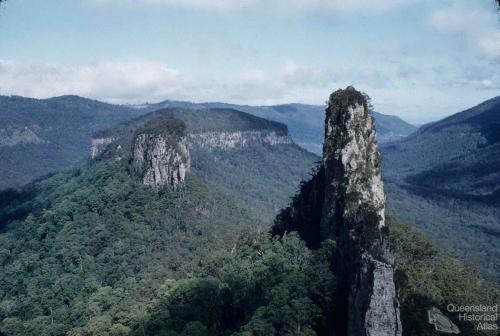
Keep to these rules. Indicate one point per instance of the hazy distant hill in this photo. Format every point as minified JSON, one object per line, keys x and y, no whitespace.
{"x":446,"y":178}
{"x":39,"y":136}
{"x":305,"y":122}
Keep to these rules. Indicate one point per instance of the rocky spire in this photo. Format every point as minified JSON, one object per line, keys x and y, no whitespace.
{"x":354,"y":215}
{"x":345,"y":202}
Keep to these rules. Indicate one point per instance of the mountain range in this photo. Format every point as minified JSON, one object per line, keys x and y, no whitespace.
{"x":445,"y":178}
{"x":224,"y":142}
{"x":443,"y":173}
{"x":154,"y":233}
{"x":40,"y":136}
{"x":305,"y":122}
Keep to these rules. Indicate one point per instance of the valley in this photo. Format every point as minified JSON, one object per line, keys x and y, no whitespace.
{"x":154,"y":235}
{"x":249,"y":168}
{"x":445,"y":178}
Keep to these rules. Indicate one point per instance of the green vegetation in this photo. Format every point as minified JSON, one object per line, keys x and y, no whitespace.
{"x":261,"y":175}
{"x":63,"y":127}
{"x":89,"y":251}
{"x":426,"y":276}
{"x":219,"y":119}
{"x":164,"y":125}
{"x":68,"y":122}
{"x":92,"y":244}
{"x":259,"y":286}
{"x":445,"y":179}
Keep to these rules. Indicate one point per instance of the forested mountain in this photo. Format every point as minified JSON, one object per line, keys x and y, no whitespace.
{"x":40,"y":136}
{"x":306,"y":122}
{"x":445,"y":177}
{"x":142,"y":239}
{"x":432,"y":176}
{"x":107,"y":239}
{"x":250,"y":157}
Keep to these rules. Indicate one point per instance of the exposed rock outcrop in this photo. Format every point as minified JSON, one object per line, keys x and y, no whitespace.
{"x":159,"y":160}
{"x":154,"y":151}
{"x":354,"y":215}
{"x":160,"y":154}
{"x":345,"y":202}
{"x":99,"y":145}
{"x":230,"y":140}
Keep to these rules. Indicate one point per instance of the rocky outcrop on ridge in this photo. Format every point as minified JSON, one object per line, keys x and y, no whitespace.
{"x":229,"y":140}
{"x":160,"y":161}
{"x":155,"y":151}
{"x":345,"y":202}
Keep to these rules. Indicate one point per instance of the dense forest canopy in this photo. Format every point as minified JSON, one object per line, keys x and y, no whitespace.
{"x":90,"y":251}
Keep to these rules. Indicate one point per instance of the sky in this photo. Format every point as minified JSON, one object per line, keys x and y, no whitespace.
{"x":418,"y":59}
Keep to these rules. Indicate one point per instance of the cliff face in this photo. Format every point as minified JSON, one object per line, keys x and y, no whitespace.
{"x":253,"y":158}
{"x":158,"y":160}
{"x":160,"y":148}
{"x":354,"y":215}
{"x":155,"y":151}
{"x":345,"y":202}
{"x":230,"y":140}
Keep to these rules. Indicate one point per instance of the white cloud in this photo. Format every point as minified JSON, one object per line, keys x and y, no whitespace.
{"x":113,"y":81}
{"x":490,"y":44}
{"x":471,"y":25}
{"x":393,"y":89}
{"x":140,"y":81}
{"x":298,"y":75}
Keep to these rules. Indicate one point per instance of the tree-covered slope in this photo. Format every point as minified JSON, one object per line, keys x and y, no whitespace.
{"x":93,"y":241}
{"x":427,"y":276}
{"x":262,"y":171}
{"x":40,"y":136}
{"x":98,"y":253}
{"x":445,"y":178}
{"x":463,"y":139}
{"x":93,"y":251}
{"x":280,"y":287}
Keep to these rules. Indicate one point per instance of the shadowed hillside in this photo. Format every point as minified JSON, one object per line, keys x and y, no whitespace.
{"x":445,"y":178}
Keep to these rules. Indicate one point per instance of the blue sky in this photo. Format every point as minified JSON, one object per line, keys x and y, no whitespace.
{"x":418,"y":59}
